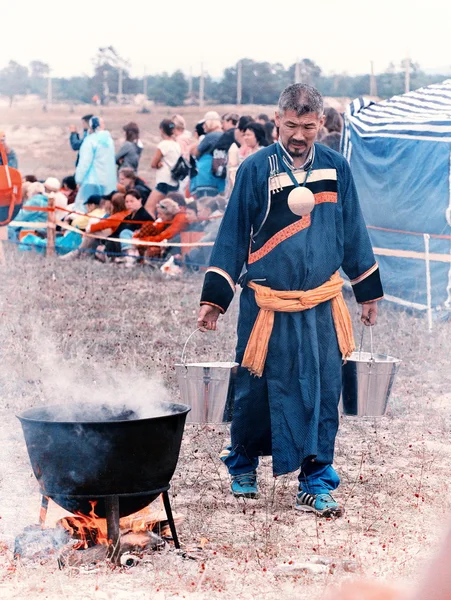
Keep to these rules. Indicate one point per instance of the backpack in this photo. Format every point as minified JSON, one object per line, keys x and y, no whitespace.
{"x":181,"y":169}
{"x":219,"y":163}
{"x":10,"y":189}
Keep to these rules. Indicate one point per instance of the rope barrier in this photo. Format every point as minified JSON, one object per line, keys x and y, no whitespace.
{"x":432,"y":235}
{"x":134,"y":241}
{"x":446,"y":258}
{"x":74,"y":212}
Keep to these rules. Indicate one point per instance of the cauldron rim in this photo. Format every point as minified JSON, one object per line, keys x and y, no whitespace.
{"x":24,"y":418}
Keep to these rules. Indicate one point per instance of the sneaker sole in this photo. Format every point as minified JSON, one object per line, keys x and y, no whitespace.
{"x":244,"y":495}
{"x":326,"y":513}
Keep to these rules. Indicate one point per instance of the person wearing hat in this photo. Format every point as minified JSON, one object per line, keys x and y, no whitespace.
{"x":93,"y":207}
{"x":96,"y":169}
{"x":205,"y":183}
{"x":10,"y":153}
{"x":128,"y":155}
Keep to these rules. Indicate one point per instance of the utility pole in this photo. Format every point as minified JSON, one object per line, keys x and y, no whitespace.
{"x":373,"y":82}
{"x":190,"y":84}
{"x":145,"y":82}
{"x":201,"y":86}
{"x":239,"y":82}
{"x":119,"y":86}
{"x":49,"y":89}
{"x":407,"y":75}
{"x":297,"y":72}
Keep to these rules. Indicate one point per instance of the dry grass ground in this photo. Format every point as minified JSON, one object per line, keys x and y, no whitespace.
{"x":61,"y":323}
{"x":62,"y":326}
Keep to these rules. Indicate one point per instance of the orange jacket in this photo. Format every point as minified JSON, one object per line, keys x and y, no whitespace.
{"x":178,"y":224}
{"x":112,"y":222}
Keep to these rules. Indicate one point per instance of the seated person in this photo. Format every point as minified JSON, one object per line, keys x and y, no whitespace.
{"x":38,"y":198}
{"x":70,"y":188}
{"x":192,"y":218}
{"x":115,"y":212}
{"x":131,"y":223}
{"x":94,"y":210}
{"x":208,"y":212}
{"x":170,"y":223}
{"x":129,"y":180}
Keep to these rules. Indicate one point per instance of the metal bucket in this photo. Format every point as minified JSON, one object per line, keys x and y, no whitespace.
{"x":368,"y":379}
{"x":208,"y":388}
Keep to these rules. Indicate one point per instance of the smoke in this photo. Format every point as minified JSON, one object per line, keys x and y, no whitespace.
{"x":32,"y":366}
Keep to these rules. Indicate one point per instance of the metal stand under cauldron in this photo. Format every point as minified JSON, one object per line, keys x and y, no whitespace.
{"x":113,"y":516}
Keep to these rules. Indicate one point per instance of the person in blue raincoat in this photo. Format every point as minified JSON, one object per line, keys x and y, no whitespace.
{"x":38,"y":199}
{"x":96,"y":170}
{"x":292,"y":221}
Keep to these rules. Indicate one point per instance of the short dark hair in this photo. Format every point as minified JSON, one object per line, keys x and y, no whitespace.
{"x":133,"y":193}
{"x":70,"y":182}
{"x":87,"y":118}
{"x":302,"y":99}
{"x":210,"y":203}
{"x":94,"y":199}
{"x":131,"y":131}
{"x":32,"y":178}
{"x":199,"y":127}
{"x":192,"y":206}
{"x":167,"y":126}
{"x":177,"y":197}
{"x":232,"y":117}
{"x":129,"y":173}
{"x":243,"y":122}
{"x":259,"y":132}
{"x":263,"y":117}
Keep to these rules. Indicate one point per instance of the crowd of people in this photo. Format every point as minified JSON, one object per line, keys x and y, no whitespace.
{"x":126,"y":220}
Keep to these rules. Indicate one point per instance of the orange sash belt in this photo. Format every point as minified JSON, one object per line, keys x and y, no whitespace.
{"x":270,"y":301}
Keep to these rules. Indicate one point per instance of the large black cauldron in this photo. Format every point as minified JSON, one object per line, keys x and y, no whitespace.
{"x":84,"y":453}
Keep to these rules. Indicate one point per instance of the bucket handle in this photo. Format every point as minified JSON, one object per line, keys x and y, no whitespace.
{"x":371,"y":341}
{"x":183,"y":358}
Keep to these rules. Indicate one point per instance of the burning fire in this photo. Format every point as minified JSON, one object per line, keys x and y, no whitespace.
{"x":90,"y":530}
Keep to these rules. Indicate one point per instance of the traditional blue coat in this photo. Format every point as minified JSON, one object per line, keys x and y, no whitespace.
{"x":290,"y":412}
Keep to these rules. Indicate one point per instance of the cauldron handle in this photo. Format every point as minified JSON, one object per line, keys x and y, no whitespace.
{"x":186,"y":343}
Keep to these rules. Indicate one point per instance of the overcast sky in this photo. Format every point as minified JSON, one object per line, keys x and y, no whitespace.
{"x":164,"y":35}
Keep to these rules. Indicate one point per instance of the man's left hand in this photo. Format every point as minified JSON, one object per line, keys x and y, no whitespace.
{"x":369,"y":313}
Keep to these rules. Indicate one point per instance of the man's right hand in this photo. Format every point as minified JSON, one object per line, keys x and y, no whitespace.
{"x":208,"y":316}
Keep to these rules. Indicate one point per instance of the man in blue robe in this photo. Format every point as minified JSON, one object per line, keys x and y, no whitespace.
{"x":292,"y":241}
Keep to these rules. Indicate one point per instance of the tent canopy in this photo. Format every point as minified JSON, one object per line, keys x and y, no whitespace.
{"x":399,"y":152}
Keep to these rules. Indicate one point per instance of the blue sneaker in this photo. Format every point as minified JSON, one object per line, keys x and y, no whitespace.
{"x":245,"y":485}
{"x":322,"y":505}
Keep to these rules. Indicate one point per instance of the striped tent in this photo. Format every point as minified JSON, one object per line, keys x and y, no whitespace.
{"x":400,"y":155}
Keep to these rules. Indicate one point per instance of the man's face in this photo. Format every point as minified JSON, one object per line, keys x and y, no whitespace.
{"x":297,"y":134}
{"x":85,"y":124}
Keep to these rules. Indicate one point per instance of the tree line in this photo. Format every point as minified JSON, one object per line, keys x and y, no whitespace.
{"x":262,"y":82}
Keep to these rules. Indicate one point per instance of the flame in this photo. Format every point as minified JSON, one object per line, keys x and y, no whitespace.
{"x":90,"y":529}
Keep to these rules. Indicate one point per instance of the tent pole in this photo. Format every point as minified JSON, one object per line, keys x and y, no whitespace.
{"x":427,"y":237}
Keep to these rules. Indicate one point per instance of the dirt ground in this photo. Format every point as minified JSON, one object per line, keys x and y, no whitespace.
{"x":65,"y":327}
